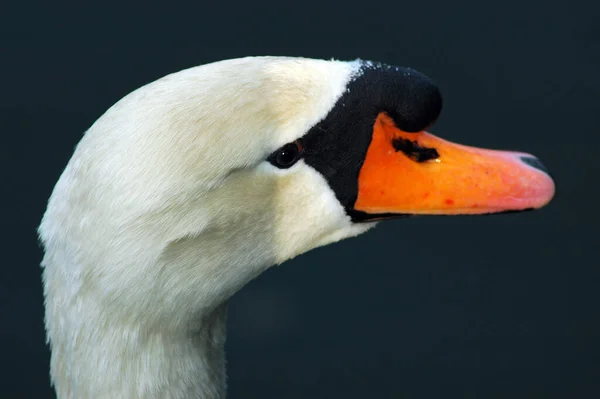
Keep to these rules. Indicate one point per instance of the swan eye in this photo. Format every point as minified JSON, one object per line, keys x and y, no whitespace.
{"x":287,"y":155}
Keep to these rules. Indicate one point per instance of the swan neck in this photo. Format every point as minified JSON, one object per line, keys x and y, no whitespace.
{"x":132,"y":362}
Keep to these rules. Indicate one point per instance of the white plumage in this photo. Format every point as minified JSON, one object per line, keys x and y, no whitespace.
{"x":166,"y":209}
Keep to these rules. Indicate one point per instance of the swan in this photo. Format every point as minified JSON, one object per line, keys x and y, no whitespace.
{"x":193,"y":185}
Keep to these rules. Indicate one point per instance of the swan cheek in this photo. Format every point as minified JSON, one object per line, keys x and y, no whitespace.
{"x":308,"y":214}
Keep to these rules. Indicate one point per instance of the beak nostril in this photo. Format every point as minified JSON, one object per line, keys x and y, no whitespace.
{"x":534,"y":163}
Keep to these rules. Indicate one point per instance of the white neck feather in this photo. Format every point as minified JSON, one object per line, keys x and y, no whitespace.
{"x":129,"y":361}
{"x":161,"y":338}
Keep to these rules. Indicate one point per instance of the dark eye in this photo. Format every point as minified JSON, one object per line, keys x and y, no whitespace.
{"x":287,"y":155}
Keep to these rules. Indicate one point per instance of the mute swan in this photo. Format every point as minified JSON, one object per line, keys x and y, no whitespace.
{"x":191,"y":186}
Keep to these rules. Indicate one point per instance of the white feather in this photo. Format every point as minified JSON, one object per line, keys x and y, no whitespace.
{"x":166,"y":209}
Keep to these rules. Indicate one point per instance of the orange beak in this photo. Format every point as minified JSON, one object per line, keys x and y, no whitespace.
{"x":419,"y":173}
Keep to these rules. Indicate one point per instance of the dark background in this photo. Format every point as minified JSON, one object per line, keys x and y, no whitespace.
{"x":479,"y":307}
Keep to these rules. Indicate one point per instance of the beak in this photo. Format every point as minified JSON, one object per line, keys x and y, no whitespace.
{"x":419,"y":173}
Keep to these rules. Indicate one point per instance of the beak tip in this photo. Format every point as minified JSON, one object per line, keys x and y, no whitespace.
{"x":543,"y":182}
{"x":549,"y":190}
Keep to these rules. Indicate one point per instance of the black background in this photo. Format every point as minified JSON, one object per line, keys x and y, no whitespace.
{"x":481,"y":307}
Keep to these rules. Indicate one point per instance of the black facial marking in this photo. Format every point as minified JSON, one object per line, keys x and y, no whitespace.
{"x":413,"y":150}
{"x":359,"y":216}
{"x":336,"y":147}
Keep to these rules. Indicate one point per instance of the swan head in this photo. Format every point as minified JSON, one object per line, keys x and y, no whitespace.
{"x":194,"y":184}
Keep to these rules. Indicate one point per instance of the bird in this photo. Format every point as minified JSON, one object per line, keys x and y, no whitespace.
{"x":193,"y":185}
